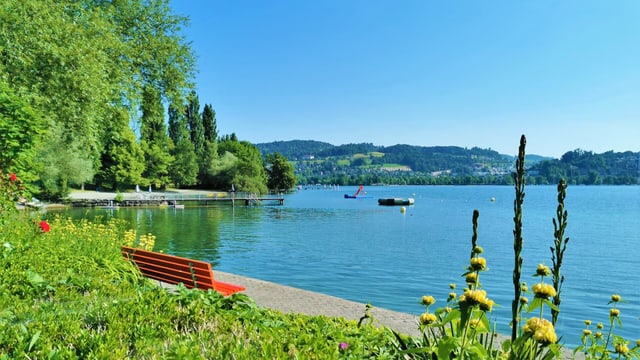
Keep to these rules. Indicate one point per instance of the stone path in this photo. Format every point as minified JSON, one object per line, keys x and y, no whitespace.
{"x":292,"y":300}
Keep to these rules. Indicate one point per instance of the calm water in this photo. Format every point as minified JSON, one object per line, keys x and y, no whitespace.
{"x":355,"y":249}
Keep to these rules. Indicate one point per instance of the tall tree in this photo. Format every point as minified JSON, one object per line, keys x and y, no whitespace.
{"x":122,"y":161}
{"x":194,"y":120}
{"x":20,"y":131}
{"x":184,"y":169}
{"x":210,"y":146}
{"x":248,"y":174}
{"x":154,"y":139}
{"x":64,"y":164}
{"x":280,"y":173}
{"x":209,"y":123}
{"x":196,"y":131}
{"x":77,"y":60}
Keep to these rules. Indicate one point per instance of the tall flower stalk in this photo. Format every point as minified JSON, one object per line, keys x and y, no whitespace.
{"x":519,"y":179}
{"x":560,"y":245}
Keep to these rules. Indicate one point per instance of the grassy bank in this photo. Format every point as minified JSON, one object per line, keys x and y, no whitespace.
{"x":67,"y":293}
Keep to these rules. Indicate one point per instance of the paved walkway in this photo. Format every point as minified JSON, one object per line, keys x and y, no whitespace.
{"x":292,"y":300}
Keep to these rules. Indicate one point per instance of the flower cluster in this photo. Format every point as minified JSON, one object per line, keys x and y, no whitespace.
{"x":476,"y":297}
{"x":147,"y":242}
{"x":428,"y":318}
{"x":543,"y":291}
{"x":44,"y":226}
{"x":428,"y":300}
{"x":543,"y":270}
{"x":541,"y":330}
{"x":11,"y":190}
{"x":478,"y":263}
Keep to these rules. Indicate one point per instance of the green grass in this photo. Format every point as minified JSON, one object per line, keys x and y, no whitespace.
{"x":68,"y":294}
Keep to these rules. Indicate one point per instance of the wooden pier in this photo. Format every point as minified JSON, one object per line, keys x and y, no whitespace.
{"x":173,"y":200}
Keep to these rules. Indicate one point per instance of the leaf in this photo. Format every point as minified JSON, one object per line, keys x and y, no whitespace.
{"x":34,"y":278}
{"x":34,"y":339}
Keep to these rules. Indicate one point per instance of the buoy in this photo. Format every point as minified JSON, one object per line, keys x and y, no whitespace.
{"x":493,"y":199}
{"x":403,"y":209}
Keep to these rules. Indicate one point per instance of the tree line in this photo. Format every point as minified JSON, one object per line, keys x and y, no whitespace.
{"x":355,"y":164}
{"x":100,"y":93}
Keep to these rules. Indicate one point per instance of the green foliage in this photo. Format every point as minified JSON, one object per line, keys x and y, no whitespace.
{"x":20,"y":131}
{"x":586,"y":168}
{"x":596,"y":345}
{"x":519,"y":180}
{"x":184,"y":168}
{"x":559,"y":247}
{"x":194,"y":123}
{"x":280,"y":173}
{"x":355,"y":164}
{"x":122,"y":160}
{"x":64,"y":164}
{"x":78,"y":62}
{"x":249,"y":174}
{"x":154,"y":139}
{"x":68,"y":294}
{"x":209,"y":123}
{"x":12,"y":190}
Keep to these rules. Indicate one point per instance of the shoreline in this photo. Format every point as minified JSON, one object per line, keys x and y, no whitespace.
{"x":295,"y":300}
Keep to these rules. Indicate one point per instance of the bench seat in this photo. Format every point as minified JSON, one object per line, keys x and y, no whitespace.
{"x":175,"y":270}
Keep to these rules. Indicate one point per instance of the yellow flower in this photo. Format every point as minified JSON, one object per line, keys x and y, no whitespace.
{"x":543,"y":291}
{"x":452,"y":296}
{"x":478,"y":250}
{"x":487,"y":304}
{"x":543,"y":270}
{"x":452,"y":286}
{"x":615,"y":298}
{"x":587,"y":322}
{"x":600,"y":326}
{"x":428,"y":300}
{"x":598,"y":335}
{"x":541,"y":330}
{"x":523,"y":300}
{"x":471,"y":278}
{"x":473,"y":297}
{"x":524,"y":287}
{"x":478,"y":263}
{"x":586,"y":332}
{"x":621,"y":348}
{"x":427,"y":318}
{"x":614,"y":312}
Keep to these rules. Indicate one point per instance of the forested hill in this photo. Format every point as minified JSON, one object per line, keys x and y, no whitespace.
{"x":365,"y":163}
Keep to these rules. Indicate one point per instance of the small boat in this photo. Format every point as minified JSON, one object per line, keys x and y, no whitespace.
{"x":395,"y":201}
{"x":360,"y":194}
{"x":177,"y":206}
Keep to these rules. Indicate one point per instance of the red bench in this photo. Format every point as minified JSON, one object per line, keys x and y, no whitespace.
{"x":175,"y":270}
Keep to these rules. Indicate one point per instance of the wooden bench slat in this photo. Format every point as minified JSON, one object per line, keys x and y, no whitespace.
{"x":178,"y":271}
{"x":175,"y":269}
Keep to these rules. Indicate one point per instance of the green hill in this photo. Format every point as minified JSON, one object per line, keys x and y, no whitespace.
{"x":365,"y":163}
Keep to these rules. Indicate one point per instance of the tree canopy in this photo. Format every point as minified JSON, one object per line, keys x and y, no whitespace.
{"x":77,"y":66}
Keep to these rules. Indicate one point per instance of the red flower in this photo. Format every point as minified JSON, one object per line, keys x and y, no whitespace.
{"x":13,"y":177}
{"x":44,"y":226}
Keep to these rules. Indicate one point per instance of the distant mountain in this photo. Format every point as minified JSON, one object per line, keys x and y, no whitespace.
{"x":365,"y":163}
{"x":294,"y":149}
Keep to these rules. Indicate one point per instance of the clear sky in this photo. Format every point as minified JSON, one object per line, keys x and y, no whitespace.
{"x":422,"y":72}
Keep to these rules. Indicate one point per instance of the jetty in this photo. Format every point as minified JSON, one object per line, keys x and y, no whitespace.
{"x":173,"y":199}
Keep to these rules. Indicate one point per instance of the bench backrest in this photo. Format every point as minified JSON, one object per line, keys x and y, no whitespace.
{"x":171,"y":269}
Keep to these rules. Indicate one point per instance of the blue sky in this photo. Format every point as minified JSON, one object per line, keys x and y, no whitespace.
{"x":420,"y":72}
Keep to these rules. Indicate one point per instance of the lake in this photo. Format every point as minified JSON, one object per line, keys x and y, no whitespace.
{"x":358,"y":250}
